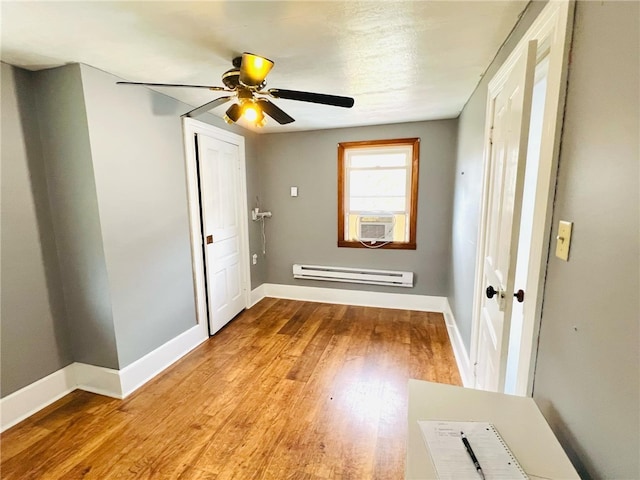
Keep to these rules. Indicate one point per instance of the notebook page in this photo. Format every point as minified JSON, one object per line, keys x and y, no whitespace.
{"x":451,"y":459}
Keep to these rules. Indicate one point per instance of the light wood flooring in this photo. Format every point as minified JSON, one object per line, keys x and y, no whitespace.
{"x":287,"y":390}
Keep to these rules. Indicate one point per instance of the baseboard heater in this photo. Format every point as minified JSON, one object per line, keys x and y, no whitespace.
{"x":353,"y":275}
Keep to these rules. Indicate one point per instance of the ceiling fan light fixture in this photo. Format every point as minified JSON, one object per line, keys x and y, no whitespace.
{"x":252,"y":113}
{"x":233,"y":113}
{"x":254,"y":69}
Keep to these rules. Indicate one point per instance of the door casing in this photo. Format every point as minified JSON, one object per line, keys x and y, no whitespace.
{"x":191,"y":128}
{"x":552,"y":30}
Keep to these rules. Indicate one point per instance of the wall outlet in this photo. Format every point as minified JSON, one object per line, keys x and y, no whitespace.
{"x":254,"y":258}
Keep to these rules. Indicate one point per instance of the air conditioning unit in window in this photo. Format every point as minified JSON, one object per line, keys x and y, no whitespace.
{"x":375,"y":228}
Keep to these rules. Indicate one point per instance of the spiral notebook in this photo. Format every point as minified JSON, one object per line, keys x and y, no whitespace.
{"x":451,"y":459}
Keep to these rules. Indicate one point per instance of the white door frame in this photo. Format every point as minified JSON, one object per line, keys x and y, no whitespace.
{"x":191,"y":128}
{"x":552,"y":30}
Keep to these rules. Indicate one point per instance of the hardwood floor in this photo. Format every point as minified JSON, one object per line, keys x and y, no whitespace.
{"x":288,"y":390}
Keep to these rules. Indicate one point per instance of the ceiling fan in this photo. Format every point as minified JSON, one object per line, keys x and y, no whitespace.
{"x":246,"y":81}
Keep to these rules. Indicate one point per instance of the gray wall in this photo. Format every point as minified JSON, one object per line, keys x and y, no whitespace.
{"x":304,"y":229}
{"x":255,"y":176}
{"x":137,"y":154}
{"x":468,"y":184}
{"x":137,"y":151}
{"x":74,"y":207}
{"x":34,"y":340}
{"x":587,"y":379}
{"x":103,"y":167}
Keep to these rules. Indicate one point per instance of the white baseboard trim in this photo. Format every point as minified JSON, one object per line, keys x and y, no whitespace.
{"x":138,"y":373}
{"x":257,"y":294}
{"x":459,"y":350}
{"x":104,"y":381}
{"x":28,"y":400}
{"x":364,"y":298}
{"x":100,"y":380}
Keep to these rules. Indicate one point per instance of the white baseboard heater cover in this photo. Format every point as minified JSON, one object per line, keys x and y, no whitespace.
{"x":353,"y":275}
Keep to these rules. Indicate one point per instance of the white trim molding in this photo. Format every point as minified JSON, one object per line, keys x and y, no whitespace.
{"x":138,"y":373}
{"x":100,"y":380}
{"x":459,"y":350}
{"x":34,"y":397}
{"x":104,"y":381}
{"x":257,"y":294}
{"x":402,"y":301}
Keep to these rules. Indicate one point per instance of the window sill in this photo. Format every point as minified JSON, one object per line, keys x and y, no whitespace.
{"x":388,"y":246}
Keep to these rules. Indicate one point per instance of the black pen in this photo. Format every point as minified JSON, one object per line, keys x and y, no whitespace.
{"x":467,"y":445}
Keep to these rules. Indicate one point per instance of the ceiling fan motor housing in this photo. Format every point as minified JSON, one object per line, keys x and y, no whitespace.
{"x":231,"y":78}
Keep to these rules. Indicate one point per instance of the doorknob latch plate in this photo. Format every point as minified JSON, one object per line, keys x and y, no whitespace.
{"x":491,"y":292}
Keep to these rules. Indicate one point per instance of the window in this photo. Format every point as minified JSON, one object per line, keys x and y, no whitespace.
{"x":378,"y":193}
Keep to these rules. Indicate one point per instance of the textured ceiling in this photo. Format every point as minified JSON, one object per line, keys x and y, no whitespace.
{"x":401,"y":60}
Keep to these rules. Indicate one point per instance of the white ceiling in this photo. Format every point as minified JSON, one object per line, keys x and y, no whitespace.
{"x":401,"y":60}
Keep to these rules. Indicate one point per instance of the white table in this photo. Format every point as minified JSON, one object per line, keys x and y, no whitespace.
{"x":518,"y":420}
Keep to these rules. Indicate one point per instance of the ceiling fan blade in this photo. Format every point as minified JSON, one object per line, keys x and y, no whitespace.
{"x":208,"y":87}
{"x":274,"y":111}
{"x":254,"y":69}
{"x":207,"y":106}
{"x":335,"y":100}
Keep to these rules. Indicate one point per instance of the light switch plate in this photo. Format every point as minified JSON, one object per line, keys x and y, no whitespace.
{"x":294,"y":191}
{"x":563,"y":240}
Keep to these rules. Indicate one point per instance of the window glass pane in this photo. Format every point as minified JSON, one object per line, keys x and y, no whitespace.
{"x":364,"y":183}
{"x":378,"y":204}
{"x":378,"y":160}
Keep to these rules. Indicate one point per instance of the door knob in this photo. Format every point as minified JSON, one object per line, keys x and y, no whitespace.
{"x":491,"y":291}
{"x":519,"y":296}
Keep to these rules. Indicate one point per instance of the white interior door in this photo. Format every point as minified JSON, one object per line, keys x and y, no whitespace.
{"x":517,"y":362}
{"x":219,"y":168}
{"x":503,"y":194}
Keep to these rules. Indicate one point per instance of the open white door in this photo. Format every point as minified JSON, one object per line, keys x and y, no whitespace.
{"x":501,"y":204}
{"x":510,"y":114}
{"x":222,"y":217}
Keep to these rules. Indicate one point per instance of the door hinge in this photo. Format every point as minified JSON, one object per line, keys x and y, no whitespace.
{"x":209,"y":239}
